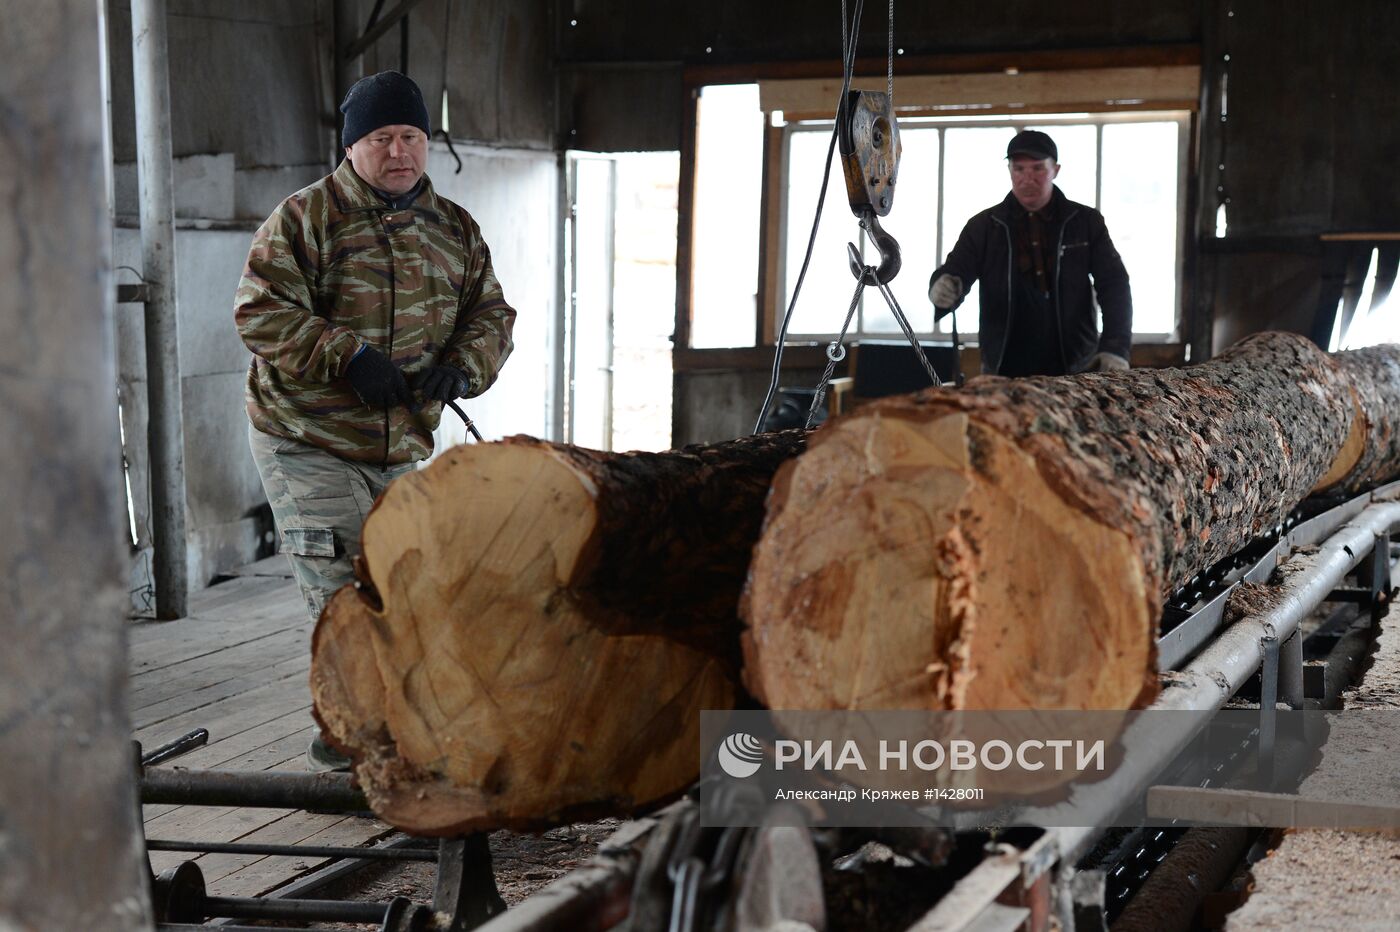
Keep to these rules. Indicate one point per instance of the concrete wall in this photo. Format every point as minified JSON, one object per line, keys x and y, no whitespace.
{"x":225,"y":520}
{"x":250,"y":79}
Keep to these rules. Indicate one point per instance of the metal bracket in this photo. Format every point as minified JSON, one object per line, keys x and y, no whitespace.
{"x":466,"y":886}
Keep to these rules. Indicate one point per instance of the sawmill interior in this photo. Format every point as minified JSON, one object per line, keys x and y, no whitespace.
{"x":602,"y":464}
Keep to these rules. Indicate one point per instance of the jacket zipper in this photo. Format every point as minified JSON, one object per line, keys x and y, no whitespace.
{"x":1060,"y":254}
{"x":393,"y":313}
{"x":1010,"y":298}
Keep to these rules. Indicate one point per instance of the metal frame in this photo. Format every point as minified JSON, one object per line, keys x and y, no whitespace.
{"x":464,"y":892}
{"x":1269,"y":642}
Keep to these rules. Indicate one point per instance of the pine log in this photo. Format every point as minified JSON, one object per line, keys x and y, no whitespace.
{"x":539,"y":629}
{"x":1009,"y":545}
{"x":1375,"y":375}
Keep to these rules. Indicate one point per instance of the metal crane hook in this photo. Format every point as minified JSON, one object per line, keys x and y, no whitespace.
{"x":887,"y":246}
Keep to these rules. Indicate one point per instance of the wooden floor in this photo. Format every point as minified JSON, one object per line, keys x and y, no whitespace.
{"x":238,"y":667}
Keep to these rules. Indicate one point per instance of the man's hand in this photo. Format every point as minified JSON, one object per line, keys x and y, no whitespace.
{"x":441,"y":383}
{"x":945,"y":291}
{"x":377,"y":381}
{"x":1108,"y":362}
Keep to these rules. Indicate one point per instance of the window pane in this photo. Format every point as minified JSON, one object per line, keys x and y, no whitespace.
{"x":1139,"y":204}
{"x":1079,"y":157}
{"x":914,"y":223}
{"x":827,"y":289}
{"x":974,"y":178}
{"x":724,"y":248}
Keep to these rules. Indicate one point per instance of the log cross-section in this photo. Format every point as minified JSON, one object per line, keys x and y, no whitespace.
{"x":541,"y":627}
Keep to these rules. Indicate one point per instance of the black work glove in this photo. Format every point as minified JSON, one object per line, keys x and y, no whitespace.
{"x":441,"y":383}
{"x":377,"y":381}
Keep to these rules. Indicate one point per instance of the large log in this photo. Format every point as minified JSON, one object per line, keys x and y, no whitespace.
{"x":541,"y":627}
{"x":1009,"y":545}
{"x":1374,"y":373}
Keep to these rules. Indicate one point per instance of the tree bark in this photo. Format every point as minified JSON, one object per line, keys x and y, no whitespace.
{"x":541,"y":627}
{"x":1009,"y":545}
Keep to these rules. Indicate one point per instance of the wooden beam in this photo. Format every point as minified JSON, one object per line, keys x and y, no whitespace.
{"x":373,"y":33}
{"x":1164,"y":87}
{"x":958,"y":63}
{"x":1253,"y":808}
{"x":770,"y":261}
{"x":1360,"y":237}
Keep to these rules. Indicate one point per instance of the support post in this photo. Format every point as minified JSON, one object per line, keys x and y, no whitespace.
{"x":70,"y":843}
{"x":466,"y":885}
{"x":166,"y":436}
{"x":1268,"y":707}
{"x":1290,"y":671}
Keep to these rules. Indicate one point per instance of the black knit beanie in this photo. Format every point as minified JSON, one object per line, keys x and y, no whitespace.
{"x":384,"y":99}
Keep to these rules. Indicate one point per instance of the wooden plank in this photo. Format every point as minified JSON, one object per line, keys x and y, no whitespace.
{"x":204,"y":603}
{"x":204,"y":823}
{"x":256,"y":875}
{"x":235,"y":714}
{"x":770,"y":288}
{"x":292,"y":828}
{"x":1065,"y":106}
{"x":275,"y":565}
{"x":260,"y":613}
{"x":150,"y":687}
{"x":1256,"y":809}
{"x":1360,"y":237}
{"x":208,"y":637}
{"x":297,"y":665}
{"x":1030,"y":91}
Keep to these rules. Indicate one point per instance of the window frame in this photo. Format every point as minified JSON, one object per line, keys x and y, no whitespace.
{"x":773,"y":298}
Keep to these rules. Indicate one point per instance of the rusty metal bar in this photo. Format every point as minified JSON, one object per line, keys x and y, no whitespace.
{"x":266,"y":789}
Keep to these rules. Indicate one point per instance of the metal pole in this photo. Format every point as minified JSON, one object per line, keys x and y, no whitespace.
{"x":268,"y":789}
{"x":166,"y":436}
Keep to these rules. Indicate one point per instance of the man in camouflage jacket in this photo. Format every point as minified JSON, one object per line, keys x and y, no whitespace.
{"x":368,"y":302}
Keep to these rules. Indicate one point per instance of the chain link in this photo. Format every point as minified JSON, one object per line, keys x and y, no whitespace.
{"x":889,"y":74}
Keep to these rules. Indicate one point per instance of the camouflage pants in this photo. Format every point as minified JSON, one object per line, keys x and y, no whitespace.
{"x":319,"y":502}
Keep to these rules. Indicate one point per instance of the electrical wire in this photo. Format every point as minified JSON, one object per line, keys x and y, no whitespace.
{"x":848,"y":55}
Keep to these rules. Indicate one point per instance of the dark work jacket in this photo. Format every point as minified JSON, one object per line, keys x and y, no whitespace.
{"x":1082,"y":249}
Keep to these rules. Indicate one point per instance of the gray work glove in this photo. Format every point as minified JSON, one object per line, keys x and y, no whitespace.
{"x":441,"y":383}
{"x":945,"y":291}
{"x":1107,"y":362}
{"x":376,"y":380}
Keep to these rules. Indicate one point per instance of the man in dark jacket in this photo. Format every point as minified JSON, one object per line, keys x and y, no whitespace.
{"x":1035,"y":253}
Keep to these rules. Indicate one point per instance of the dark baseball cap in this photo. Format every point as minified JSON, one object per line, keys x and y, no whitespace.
{"x":1034,"y":143}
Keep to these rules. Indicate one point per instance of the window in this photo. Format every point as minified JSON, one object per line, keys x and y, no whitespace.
{"x":1130,"y":165}
{"x":725,"y":216}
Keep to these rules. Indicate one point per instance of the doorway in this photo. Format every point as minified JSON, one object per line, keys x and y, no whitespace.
{"x":621,"y":268}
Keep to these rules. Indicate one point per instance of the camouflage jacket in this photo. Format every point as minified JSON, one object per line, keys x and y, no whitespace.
{"x":335,"y":267}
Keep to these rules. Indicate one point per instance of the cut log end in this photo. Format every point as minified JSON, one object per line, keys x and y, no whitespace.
{"x":482,"y":695}
{"x":946,"y":600}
